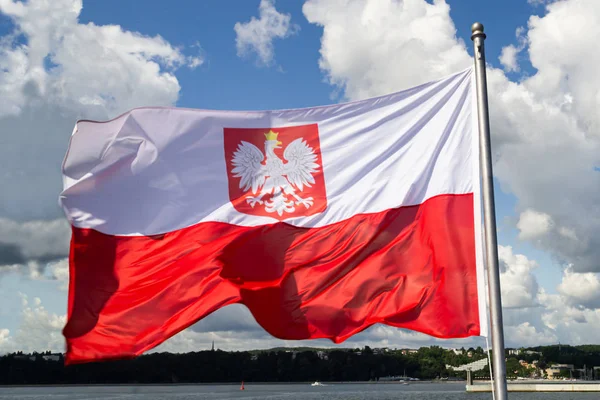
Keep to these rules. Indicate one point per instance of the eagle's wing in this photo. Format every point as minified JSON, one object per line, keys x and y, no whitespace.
{"x":247,"y":164}
{"x":301,"y":163}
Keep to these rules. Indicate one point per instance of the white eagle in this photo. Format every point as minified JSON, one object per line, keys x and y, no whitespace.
{"x":273,"y":176}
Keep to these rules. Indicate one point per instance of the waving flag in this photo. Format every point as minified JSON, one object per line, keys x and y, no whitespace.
{"x":322,"y":221}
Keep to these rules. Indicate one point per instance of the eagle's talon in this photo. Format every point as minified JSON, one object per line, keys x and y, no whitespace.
{"x":253,"y":200}
{"x":308,"y":202}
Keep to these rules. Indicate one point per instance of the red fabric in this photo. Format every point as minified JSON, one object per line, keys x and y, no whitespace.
{"x":412,"y":267}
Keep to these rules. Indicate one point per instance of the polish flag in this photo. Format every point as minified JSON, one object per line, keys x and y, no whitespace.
{"x":322,"y":221}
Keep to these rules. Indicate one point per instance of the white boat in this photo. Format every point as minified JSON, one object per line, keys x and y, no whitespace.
{"x":316,"y":383}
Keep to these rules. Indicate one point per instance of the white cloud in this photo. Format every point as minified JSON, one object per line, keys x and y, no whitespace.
{"x":519,"y":286}
{"x":4,"y":336}
{"x":525,"y":335}
{"x":572,"y":324}
{"x":370,"y":48}
{"x":56,"y":70}
{"x":572,"y":316}
{"x":580,"y":288}
{"x":101,"y":67}
{"x":547,"y":132}
{"x":39,"y":330}
{"x":533,"y":224}
{"x":257,"y":35}
{"x":32,"y":269}
{"x":508,"y":58}
{"x":60,"y":271}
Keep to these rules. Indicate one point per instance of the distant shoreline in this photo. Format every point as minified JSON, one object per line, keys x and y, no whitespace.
{"x":229,"y":384}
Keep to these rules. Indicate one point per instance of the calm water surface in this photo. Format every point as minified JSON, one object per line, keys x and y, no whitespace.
{"x":436,"y":391}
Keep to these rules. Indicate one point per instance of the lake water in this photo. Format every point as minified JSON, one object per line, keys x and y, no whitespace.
{"x":436,"y":391}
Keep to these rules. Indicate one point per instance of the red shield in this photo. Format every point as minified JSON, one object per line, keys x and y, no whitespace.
{"x":250,"y":153}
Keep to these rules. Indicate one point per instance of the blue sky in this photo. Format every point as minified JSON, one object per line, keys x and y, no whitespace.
{"x":204,"y":30}
{"x":226,"y":81}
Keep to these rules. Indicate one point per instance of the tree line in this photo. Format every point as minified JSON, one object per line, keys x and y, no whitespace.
{"x":275,"y":365}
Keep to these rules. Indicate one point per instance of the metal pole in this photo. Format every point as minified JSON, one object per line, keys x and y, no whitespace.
{"x":489,"y":216}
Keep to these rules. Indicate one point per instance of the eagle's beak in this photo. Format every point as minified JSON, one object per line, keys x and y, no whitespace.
{"x":279,"y":143}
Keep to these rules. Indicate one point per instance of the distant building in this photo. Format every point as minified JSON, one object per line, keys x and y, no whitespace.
{"x":380,"y":350}
{"x":570,"y":367}
{"x":528,"y":365}
{"x":554,"y":371}
{"x":52,"y":357}
{"x":473,"y":366}
{"x":531,"y":352}
{"x":409,"y":351}
{"x":33,"y":357}
{"x":25,"y":357}
{"x":516,"y":352}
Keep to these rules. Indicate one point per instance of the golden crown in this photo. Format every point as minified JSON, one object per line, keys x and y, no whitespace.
{"x":271,"y":135}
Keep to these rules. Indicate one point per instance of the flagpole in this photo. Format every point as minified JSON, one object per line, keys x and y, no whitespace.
{"x":489,"y":217}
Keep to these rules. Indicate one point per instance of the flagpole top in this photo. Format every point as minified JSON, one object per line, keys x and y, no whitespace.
{"x":477,"y":30}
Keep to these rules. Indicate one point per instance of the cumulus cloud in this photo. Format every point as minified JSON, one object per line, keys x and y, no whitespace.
{"x":39,"y":330}
{"x":257,"y":35}
{"x":59,"y":271}
{"x":580,"y":288}
{"x":548,"y":132}
{"x":369,"y":48}
{"x":4,"y":335}
{"x":56,"y":70}
{"x":546,"y":128}
{"x":519,"y":286}
{"x":527,"y":335}
{"x":570,"y":316}
{"x":32,"y":269}
{"x":572,"y":324}
{"x":533,"y":224}
{"x":509,"y":56}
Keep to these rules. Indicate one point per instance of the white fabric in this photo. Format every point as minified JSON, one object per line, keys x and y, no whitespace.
{"x":478,"y":224}
{"x":156,"y":170}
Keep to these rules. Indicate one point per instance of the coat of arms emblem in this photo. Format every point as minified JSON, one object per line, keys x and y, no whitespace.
{"x":275,"y":172}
